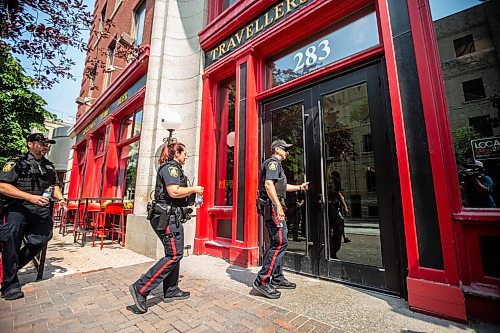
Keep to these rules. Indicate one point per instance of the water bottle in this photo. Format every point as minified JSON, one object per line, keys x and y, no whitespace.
{"x":48,"y":192}
{"x":198,"y":201}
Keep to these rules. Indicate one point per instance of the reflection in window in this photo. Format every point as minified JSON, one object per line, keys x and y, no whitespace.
{"x":351,"y":176}
{"x":287,"y":125}
{"x":225,"y":142}
{"x":464,"y":45}
{"x":128,"y":170}
{"x":131,"y":126}
{"x":137,"y":123}
{"x":470,"y":68}
{"x":227,"y":3}
{"x":139,"y":15}
{"x":100,"y":145}
{"x":351,"y":36}
{"x":473,"y":89}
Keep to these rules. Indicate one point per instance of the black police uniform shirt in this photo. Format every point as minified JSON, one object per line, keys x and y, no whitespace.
{"x":29,"y":174}
{"x":272,"y":170}
{"x":170,"y":173}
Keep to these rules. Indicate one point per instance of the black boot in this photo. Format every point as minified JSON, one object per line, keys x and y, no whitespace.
{"x":139,"y":299}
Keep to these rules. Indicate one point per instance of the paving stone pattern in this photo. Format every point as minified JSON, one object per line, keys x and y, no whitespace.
{"x":96,"y":301}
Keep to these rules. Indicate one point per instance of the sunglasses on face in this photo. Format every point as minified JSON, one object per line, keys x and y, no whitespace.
{"x":284,"y":149}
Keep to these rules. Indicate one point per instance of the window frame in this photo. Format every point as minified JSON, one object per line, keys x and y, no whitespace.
{"x":109,"y":62}
{"x":439,"y":129}
{"x":141,"y":7}
{"x":123,"y":142}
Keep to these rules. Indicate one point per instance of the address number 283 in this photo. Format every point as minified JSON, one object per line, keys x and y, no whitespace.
{"x":312,"y":55}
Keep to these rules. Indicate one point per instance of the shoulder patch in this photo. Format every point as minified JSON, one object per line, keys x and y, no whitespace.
{"x":173,"y":171}
{"x":8,"y":166}
{"x":272,"y":166}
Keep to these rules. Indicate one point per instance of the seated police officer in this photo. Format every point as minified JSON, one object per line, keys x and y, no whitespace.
{"x":273,"y":189}
{"x":172,"y":195}
{"x":23,"y":180}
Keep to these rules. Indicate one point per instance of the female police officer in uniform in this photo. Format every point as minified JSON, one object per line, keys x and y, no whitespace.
{"x":23,"y":180}
{"x":171,"y":195}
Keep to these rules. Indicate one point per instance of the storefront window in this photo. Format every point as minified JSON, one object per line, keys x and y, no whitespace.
{"x":99,"y":149}
{"x":128,"y":170}
{"x":225,"y":143}
{"x":131,"y":126}
{"x":227,"y":3}
{"x":350,"y":36}
{"x":467,"y":35}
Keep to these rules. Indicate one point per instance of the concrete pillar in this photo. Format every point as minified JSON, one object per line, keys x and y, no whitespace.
{"x":173,"y":84}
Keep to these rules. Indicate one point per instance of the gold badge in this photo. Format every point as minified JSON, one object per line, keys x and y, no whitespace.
{"x":273,"y":166}
{"x":8,"y":166}
{"x":173,"y":172}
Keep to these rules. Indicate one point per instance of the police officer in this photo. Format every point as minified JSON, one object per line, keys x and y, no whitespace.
{"x":273,"y":188}
{"x":172,"y":195}
{"x":23,"y":180}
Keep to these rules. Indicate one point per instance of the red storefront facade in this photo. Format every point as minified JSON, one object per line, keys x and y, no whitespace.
{"x":377,"y":117}
{"x":109,"y":116}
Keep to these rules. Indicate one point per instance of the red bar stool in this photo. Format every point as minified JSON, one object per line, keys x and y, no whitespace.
{"x":68,"y":218}
{"x":57,"y":214}
{"x":87,"y":216}
{"x":111,"y":221}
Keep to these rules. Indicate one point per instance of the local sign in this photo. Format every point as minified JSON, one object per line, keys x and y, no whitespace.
{"x":263,"y":22}
{"x":486,"y":148}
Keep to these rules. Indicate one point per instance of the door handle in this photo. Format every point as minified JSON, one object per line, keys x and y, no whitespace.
{"x":321,"y":200}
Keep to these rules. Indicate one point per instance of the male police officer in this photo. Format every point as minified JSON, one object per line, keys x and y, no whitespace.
{"x":23,"y":180}
{"x":275,"y":185}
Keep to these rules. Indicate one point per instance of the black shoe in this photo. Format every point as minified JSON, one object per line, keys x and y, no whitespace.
{"x":12,"y":294}
{"x":180,"y":295}
{"x":139,"y":300}
{"x":266,"y":290}
{"x":285,"y":284}
{"x":347,"y":240}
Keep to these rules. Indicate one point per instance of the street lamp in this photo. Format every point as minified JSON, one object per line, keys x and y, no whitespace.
{"x":170,"y":121}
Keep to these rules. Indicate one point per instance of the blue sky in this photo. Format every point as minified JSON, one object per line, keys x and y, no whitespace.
{"x":61,"y":98}
{"x":443,"y":8}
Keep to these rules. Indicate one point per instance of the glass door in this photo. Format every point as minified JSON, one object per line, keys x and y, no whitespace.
{"x":345,"y":227}
{"x":289,"y":119}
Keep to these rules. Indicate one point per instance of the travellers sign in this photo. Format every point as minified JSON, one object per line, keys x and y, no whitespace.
{"x":266,"y":20}
{"x":486,"y":148}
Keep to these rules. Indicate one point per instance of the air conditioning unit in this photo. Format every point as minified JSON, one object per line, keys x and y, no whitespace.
{"x":82,"y":100}
{"x":125,"y":39}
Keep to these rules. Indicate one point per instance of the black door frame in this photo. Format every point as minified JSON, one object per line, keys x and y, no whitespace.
{"x":304,"y":264}
{"x":391,"y":278}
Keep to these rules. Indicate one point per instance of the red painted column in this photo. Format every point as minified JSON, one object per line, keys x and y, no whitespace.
{"x":88,"y":176}
{"x":252,"y":163}
{"x":75,"y":176}
{"x":109,"y":183}
{"x":206,"y":173}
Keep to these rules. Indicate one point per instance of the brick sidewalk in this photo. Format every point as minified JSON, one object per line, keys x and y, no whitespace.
{"x":96,"y":301}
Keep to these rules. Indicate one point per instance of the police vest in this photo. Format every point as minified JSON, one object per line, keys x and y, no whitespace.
{"x":34,"y":176}
{"x":279,"y":184}
{"x":162,"y":196}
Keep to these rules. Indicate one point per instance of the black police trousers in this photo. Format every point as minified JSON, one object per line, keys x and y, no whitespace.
{"x":30,"y":221}
{"x":166,"y":270}
{"x":273,"y":258}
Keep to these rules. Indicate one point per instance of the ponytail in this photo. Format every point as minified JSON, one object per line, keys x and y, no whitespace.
{"x":169,"y":150}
